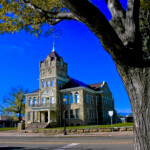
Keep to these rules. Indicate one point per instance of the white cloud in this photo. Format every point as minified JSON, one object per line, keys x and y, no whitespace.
{"x":12,"y":48}
{"x":124,"y":110}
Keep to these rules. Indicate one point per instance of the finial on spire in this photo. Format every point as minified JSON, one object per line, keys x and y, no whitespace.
{"x":53,"y":47}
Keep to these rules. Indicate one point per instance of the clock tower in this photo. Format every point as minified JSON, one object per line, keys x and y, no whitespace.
{"x":53,"y":75}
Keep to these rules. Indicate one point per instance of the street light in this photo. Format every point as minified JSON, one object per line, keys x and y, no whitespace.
{"x":64,"y":100}
{"x":111,"y":114}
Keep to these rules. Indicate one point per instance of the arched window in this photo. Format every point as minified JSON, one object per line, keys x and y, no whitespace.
{"x":87,"y":98}
{"x":71,"y":98}
{"x":52,"y":100}
{"x":30,"y":102}
{"x":77,"y":97}
{"x":47,"y":83}
{"x":52,"y":83}
{"x":34,"y":101}
{"x":43,"y":84}
{"x":48,"y":100}
{"x":43,"y":101}
{"x":65,"y":99}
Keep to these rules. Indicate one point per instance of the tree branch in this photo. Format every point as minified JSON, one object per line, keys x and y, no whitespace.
{"x":132,"y":24}
{"x":98,"y":24}
{"x":116,"y":8}
{"x":118,"y":17}
{"x":50,"y":15}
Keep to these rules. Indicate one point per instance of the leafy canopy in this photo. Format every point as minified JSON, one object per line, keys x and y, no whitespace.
{"x":14,"y":102}
{"x":16,"y":15}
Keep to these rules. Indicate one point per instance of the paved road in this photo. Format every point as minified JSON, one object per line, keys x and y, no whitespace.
{"x":69,"y":143}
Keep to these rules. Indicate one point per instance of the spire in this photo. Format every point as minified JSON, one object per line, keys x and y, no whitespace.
{"x":53,"y":47}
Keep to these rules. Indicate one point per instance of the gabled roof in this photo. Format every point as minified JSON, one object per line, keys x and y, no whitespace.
{"x":36,"y":91}
{"x":96,"y":86}
{"x":75,"y":83}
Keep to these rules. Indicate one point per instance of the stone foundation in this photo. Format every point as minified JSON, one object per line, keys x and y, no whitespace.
{"x":78,"y":131}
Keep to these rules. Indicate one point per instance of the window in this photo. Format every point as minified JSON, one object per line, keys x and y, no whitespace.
{"x":48,"y":100}
{"x":52,"y":83}
{"x":77,"y":113}
{"x":88,"y":114}
{"x":59,"y":83}
{"x":47,"y":83}
{"x":29,"y":102}
{"x":66,"y":114}
{"x":38,"y":101}
{"x":105,"y":90}
{"x":71,"y":98}
{"x":29,"y":115}
{"x":77,"y":98}
{"x":43,"y":84}
{"x":34,"y":101}
{"x":87,"y":98}
{"x":71,"y":114}
{"x":43,"y":101}
{"x":90,"y":99}
{"x":52,"y":100}
{"x":65,"y":99}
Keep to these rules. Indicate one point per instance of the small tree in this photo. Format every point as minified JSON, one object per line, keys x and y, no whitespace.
{"x":14,"y":102}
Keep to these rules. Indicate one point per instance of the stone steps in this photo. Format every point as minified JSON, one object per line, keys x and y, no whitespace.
{"x":36,"y":125}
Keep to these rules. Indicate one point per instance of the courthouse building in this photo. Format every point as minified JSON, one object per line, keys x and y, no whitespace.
{"x":84,"y":104}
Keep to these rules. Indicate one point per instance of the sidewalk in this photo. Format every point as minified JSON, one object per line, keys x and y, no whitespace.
{"x":15,"y":133}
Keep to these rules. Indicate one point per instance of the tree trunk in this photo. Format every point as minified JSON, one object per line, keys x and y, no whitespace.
{"x":137,"y":84}
{"x":19,"y":116}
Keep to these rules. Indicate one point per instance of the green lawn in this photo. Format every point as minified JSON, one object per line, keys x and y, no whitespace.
{"x":95,"y":126}
{"x":5,"y":129}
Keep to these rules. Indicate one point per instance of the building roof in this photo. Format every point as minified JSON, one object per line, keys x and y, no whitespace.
{"x":54,"y":55}
{"x":73,"y":83}
{"x":76,"y":83}
{"x":36,"y":91}
{"x":96,"y":86}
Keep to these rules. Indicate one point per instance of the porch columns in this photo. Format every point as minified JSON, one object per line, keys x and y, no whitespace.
{"x":48,"y":116}
{"x":39,"y":116}
{"x":32,"y":117}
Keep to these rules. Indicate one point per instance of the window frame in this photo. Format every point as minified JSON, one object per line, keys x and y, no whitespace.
{"x":77,"y":98}
{"x":77,"y":113}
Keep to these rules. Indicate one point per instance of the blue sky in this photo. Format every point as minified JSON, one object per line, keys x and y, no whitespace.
{"x":79,"y":47}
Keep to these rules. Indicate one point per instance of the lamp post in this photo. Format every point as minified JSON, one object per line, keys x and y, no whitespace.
{"x":111,"y":114}
{"x":64,"y":100}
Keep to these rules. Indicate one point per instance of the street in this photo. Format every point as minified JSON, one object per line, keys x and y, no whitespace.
{"x":67,"y":142}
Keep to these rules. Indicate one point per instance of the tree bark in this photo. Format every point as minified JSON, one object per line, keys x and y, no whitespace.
{"x":137,"y":84}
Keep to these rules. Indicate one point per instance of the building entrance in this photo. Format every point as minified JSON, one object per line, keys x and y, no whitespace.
{"x":46,"y":116}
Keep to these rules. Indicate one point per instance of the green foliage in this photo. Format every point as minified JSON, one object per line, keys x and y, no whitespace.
{"x":145,"y":4}
{"x":14,"y":102}
{"x":145,"y":31}
{"x":6,"y":129}
{"x":15,"y":16}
